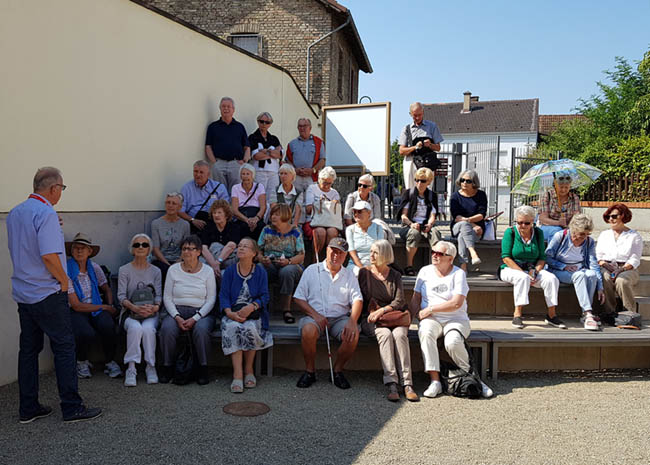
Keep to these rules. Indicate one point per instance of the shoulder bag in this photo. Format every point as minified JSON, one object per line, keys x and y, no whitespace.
{"x":327,"y":214}
{"x":391,"y":319}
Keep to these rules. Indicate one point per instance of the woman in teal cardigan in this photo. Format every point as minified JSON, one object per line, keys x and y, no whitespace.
{"x":524,"y":257}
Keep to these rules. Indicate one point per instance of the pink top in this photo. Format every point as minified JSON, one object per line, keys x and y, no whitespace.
{"x":239,"y":192}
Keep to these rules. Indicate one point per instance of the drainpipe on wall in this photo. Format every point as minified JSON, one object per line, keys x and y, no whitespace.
{"x":318,"y":40}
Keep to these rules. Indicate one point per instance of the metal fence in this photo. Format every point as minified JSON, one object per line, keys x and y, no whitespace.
{"x":521,"y":160}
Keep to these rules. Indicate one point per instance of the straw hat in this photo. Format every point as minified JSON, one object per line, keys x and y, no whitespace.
{"x":84,"y":239}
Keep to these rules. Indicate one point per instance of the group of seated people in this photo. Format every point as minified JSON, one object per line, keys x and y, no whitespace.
{"x":218,"y":266}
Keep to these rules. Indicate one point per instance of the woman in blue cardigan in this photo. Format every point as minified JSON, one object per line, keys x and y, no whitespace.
{"x":244,"y":299}
{"x":571,"y":256}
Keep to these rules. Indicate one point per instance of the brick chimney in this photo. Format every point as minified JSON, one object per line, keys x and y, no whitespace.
{"x":467,"y":98}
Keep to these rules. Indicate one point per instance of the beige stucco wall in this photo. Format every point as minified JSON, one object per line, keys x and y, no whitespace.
{"x":118,"y":98}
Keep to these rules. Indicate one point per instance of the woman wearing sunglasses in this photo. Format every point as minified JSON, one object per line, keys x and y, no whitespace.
{"x":524,"y":257}
{"x":440,"y":300}
{"x":266,"y":153}
{"x":558,"y":205}
{"x":419,"y":207}
{"x":468,"y":207}
{"x":142,"y":320}
{"x":363,"y":193}
{"x":619,"y":251}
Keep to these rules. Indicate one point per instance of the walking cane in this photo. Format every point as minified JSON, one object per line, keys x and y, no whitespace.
{"x":327,"y":333}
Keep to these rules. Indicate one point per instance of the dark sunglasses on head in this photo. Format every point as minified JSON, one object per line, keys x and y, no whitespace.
{"x":421,"y":180}
{"x":564,"y":179}
{"x":263,"y":121}
{"x":137,"y":245}
{"x":435,"y":253}
{"x":523,"y":223}
{"x":611,"y":217}
{"x":468,"y":181}
{"x":363,"y":186}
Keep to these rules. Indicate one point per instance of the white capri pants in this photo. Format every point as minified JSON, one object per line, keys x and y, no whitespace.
{"x":521,"y":285}
{"x":141,"y":331}
{"x":429,"y":332}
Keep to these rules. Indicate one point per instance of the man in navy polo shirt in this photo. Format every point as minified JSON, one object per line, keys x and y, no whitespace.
{"x":40,"y":288}
{"x":226,"y":145}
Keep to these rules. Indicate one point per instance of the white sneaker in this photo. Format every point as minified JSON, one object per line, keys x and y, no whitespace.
{"x":152,"y":375}
{"x":113,"y":370}
{"x":486,"y":391}
{"x":130,"y":378}
{"x":434,"y":389}
{"x":83,"y":369}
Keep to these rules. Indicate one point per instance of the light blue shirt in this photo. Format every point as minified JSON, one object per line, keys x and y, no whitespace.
{"x":194,"y":196}
{"x":33,"y":230}
{"x":304,"y":152}
{"x":426,"y":129}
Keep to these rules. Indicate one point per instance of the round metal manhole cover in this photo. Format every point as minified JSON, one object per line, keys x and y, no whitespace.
{"x":246,"y":409}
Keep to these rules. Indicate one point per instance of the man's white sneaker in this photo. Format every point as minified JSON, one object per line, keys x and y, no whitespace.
{"x":130,"y":378}
{"x":113,"y":370}
{"x":152,"y":375}
{"x":434,"y":389}
{"x":486,"y":391}
{"x":83,"y":369}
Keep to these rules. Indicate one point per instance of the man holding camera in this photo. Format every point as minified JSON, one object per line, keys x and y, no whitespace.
{"x":423,"y":137}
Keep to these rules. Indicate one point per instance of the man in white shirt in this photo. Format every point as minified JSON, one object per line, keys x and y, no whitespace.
{"x":329,"y":295}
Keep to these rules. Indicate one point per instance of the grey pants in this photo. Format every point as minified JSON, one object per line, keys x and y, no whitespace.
{"x":467,"y":238}
{"x":394,"y":352}
{"x":287,"y":275}
{"x":226,"y":172}
{"x":169,"y":332}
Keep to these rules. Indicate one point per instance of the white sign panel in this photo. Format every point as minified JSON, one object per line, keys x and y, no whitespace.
{"x":358,"y":135}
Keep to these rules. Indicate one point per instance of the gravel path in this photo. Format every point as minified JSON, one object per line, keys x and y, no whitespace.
{"x":535,"y":418}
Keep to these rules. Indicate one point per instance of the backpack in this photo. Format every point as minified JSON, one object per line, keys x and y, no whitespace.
{"x":458,"y":382}
{"x":142,"y":295}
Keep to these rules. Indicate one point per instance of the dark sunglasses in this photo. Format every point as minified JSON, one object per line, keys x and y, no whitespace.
{"x":523,"y":223}
{"x":263,"y":121}
{"x":137,"y":245}
{"x":467,"y":181}
{"x":363,"y":186}
{"x":611,"y":217}
{"x":564,"y":179}
{"x":421,"y":180}
{"x":435,"y":253}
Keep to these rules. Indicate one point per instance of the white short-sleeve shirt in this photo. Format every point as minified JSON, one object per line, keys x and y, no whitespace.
{"x":331,"y":297}
{"x":436,"y":290}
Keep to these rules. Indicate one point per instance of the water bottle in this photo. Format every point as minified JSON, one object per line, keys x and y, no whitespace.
{"x":615,"y":265}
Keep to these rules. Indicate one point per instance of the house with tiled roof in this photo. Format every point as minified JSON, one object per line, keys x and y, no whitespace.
{"x":488,"y":134}
{"x":549,"y":123}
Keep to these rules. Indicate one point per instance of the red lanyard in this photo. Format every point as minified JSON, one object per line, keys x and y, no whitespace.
{"x":33,"y":196}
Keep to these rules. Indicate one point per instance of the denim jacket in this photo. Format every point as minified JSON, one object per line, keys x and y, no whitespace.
{"x":559,"y":245}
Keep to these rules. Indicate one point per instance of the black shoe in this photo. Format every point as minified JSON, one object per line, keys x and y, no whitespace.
{"x":306,"y":380}
{"x":555,"y":321}
{"x":517,"y":322}
{"x":409,"y":271}
{"x":83,"y":414}
{"x":165,"y":375}
{"x":340,"y":381}
{"x":42,"y":412}
{"x":203,"y":378}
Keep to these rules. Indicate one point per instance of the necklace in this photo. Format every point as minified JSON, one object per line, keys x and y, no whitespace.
{"x":242,"y":275}
{"x":193,"y":269}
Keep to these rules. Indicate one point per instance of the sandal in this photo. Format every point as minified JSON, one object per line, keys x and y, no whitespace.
{"x":249,"y":381}
{"x":288,"y":317}
{"x":237,"y":386}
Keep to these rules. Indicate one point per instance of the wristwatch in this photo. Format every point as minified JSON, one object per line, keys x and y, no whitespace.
{"x":220,"y":260}
{"x":191,"y":219}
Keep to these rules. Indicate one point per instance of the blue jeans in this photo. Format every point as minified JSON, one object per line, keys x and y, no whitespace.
{"x":549,"y":231}
{"x":584,"y":283}
{"x":50,"y":316}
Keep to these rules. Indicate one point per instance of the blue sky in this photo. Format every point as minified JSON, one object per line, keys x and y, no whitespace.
{"x":433,"y":51}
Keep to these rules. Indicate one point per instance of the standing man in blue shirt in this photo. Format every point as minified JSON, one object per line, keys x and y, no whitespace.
{"x":40,"y":288}
{"x":198,"y":196}
{"x":227,"y":146}
{"x":429,"y":139}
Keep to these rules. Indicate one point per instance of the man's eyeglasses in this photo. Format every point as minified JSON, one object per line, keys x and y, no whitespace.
{"x":422,"y":180}
{"x":437,"y":254}
{"x":189,"y":249}
{"x":467,"y":181}
{"x":611,"y":217}
{"x":263,"y":121}
{"x":523,"y":223}
{"x":363,"y":186}
{"x":137,"y":245}
{"x":63,"y":186}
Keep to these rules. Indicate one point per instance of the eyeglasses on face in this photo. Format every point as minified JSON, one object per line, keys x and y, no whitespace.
{"x":137,"y":245}
{"x":363,"y":186}
{"x":437,"y":254}
{"x":326,"y":183}
{"x":189,"y":249}
{"x":524,"y":223}
{"x":263,"y":121}
{"x":611,"y":217}
{"x":62,"y":186}
{"x":422,"y":180}
{"x":466,"y":181}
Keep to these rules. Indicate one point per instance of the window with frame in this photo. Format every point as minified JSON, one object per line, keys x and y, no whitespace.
{"x":250,"y":42}
{"x":339,"y":76}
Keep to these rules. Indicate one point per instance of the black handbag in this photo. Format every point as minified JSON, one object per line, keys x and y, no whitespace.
{"x":186,"y":363}
{"x":423,"y":157}
{"x":201,"y":214}
{"x":255,"y":314}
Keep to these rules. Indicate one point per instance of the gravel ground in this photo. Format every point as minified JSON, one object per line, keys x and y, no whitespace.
{"x":534,"y":418}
